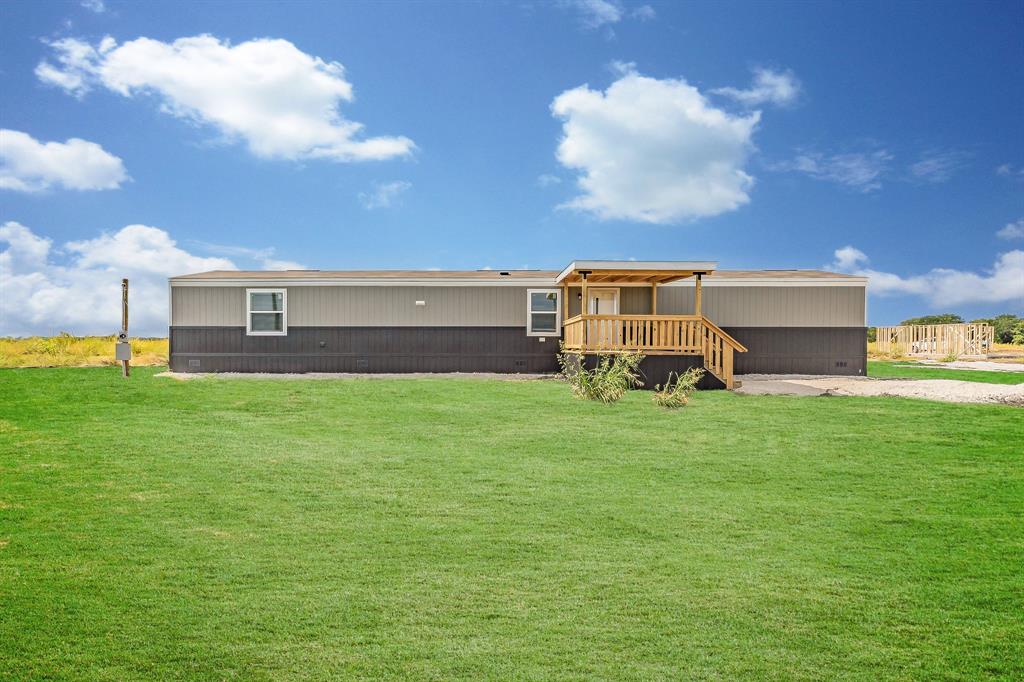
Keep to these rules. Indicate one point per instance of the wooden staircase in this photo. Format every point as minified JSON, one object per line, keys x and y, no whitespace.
{"x":718,"y":348}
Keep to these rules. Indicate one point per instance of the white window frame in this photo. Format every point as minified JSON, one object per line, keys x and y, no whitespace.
{"x":529,"y":312}
{"x":249,"y":311}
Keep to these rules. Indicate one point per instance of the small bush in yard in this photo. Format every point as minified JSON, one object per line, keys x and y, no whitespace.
{"x":677,"y":393}
{"x":607,"y":382}
{"x":951,"y":357}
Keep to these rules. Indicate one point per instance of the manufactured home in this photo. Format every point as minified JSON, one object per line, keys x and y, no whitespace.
{"x":677,"y":313}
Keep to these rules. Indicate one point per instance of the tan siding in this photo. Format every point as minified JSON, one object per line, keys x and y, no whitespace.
{"x":754,"y":306}
{"x":766,"y":306}
{"x":575,"y":303}
{"x":208,"y":306}
{"x":635,"y":300}
{"x":396,"y":306}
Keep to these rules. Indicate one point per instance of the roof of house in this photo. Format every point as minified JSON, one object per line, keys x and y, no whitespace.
{"x":475,"y":275}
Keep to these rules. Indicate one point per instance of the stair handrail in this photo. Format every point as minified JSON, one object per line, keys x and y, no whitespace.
{"x":725,"y":337}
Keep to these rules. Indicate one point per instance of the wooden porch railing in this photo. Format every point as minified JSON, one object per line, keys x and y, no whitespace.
{"x":655,"y":335}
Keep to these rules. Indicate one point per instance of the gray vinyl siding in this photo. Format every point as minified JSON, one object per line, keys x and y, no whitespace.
{"x":765,"y":306}
{"x":360,"y":306}
{"x":208,"y":306}
{"x":396,"y":306}
{"x":504,"y":306}
{"x":753,"y":306}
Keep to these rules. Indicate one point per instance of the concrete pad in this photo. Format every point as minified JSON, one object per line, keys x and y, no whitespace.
{"x":769,"y":387}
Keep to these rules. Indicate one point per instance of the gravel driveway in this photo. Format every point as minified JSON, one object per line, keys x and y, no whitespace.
{"x":946,"y":390}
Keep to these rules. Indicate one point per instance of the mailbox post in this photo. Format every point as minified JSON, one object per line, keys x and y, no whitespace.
{"x":123,"y":349}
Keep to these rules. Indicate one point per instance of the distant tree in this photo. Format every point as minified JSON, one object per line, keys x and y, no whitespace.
{"x":945,"y":318}
{"x":1018,"y":333}
{"x":1004,"y":325}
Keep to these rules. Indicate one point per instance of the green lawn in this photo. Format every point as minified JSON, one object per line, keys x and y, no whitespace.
{"x":905,"y":369}
{"x":460,"y":529}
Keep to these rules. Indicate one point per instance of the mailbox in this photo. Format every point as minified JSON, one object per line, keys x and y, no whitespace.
{"x":123,"y":351}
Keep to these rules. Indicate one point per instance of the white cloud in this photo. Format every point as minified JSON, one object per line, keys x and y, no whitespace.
{"x":937,"y":166}
{"x":547,"y":180}
{"x":860,"y":171}
{"x":283,"y":102}
{"x":595,"y":13}
{"x":262,"y":259}
{"x":1007,"y":170}
{"x":653,"y":151}
{"x":384,"y":195}
{"x":96,"y":6}
{"x":1003,"y":283}
{"x":1014,"y":230}
{"x":78,"y":288}
{"x":28,"y":165}
{"x":643,"y":13}
{"x":780,"y":88}
{"x":848,"y":258}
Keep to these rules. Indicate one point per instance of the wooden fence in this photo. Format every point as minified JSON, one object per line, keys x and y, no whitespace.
{"x":936,"y":339}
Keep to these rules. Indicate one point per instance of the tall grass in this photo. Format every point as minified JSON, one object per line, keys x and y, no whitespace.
{"x":66,"y":350}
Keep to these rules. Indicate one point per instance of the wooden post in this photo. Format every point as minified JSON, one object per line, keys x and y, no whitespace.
{"x":584,"y":307}
{"x":125,"y":369}
{"x":585,"y":304}
{"x":696,"y":297}
{"x":654,"y":298}
{"x":565,"y":302}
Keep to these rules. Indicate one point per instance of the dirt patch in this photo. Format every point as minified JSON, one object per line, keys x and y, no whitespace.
{"x":945,"y":390}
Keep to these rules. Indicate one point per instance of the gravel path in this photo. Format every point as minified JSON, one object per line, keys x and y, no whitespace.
{"x":946,"y":390}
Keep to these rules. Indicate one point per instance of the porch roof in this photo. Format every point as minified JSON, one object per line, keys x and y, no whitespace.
{"x":632,"y":271}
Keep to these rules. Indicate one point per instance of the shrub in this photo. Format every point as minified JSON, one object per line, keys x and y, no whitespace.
{"x":951,"y":357}
{"x":1018,"y":333}
{"x":677,"y":393}
{"x":607,"y":382}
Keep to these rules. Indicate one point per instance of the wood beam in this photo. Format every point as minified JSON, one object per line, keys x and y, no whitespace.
{"x":696,"y":297}
{"x":654,"y":298}
{"x":584,"y":303}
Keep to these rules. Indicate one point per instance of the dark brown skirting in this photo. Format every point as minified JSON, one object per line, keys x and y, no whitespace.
{"x":363,"y":349}
{"x":802,"y":350}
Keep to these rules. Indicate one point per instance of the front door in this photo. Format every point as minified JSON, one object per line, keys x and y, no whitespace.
{"x":603,"y":301}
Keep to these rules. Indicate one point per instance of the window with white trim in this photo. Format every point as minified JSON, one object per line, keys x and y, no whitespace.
{"x":266,"y":312}
{"x":543,"y":312}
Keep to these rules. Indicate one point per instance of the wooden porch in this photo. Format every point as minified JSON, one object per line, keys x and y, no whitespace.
{"x":651,"y":334}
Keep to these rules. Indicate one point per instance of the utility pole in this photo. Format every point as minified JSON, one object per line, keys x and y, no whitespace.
{"x":123,"y":350}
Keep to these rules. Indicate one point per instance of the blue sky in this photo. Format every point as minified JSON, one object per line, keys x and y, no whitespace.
{"x":517,"y":134}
